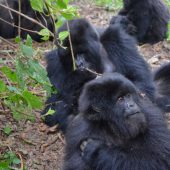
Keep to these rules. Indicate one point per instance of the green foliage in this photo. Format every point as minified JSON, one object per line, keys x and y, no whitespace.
{"x":9,"y":161}
{"x":168,"y":33}
{"x":167,"y":2}
{"x":49,"y":112}
{"x":58,"y":10}
{"x":17,"y":92}
{"x":7,"y":130}
{"x":110,"y":4}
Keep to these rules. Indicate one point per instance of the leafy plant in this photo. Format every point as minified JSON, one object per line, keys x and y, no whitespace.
{"x":9,"y":161}
{"x":18,"y":90}
{"x":58,"y":10}
{"x":24,"y":86}
{"x":7,"y":130}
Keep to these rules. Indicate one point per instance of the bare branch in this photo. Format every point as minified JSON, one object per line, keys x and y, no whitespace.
{"x":25,"y":16}
{"x":20,"y":27}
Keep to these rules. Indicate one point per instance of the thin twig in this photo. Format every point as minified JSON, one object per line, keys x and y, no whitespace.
{"x":10,"y":14}
{"x":8,"y":42}
{"x":17,"y":26}
{"x":71,"y":47}
{"x":22,"y":162}
{"x":91,"y":71}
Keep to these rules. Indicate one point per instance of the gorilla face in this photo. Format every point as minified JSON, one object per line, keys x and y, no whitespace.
{"x":88,"y":51}
{"x":114,"y":100}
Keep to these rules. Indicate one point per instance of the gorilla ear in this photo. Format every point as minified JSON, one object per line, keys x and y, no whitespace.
{"x":94,"y":113}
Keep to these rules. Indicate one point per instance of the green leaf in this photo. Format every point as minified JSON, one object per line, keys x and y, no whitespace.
{"x":20,"y":73}
{"x":14,"y":90}
{"x":2,"y":86}
{"x":17,"y":39}
{"x":16,"y":161}
{"x":9,"y":73}
{"x":37,"y":72}
{"x":27,"y":50}
{"x":50,"y":112}
{"x":62,"y":4}
{"x":37,"y":5}
{"x":33,"y":100}
{"x":60,"y":22}
{"x":45,"y":33}
{"x":7,"y":130}
{"x":17,"y":116}
{"x":28,"y":41}
{"x":63,"y":35}
{"x":4,"y":165}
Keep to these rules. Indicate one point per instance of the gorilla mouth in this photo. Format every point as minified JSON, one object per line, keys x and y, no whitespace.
{"x":81,"y":62}
{"x":133,"y":114}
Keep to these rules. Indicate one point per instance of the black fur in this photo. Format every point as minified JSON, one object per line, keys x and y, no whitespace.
{"x":8,"y":31}
{"x":123,"y":53}
{"x":89,"y":54}
{"x":150,"y":17}
{"x":162,"y":81}
{"x":119,"y":140}
{"x":125,"y":23}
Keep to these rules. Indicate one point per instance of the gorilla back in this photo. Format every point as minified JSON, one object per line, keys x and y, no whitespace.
{"x":117,"y":129}
{"x":150,"y":17}
{"x":9,"y":31}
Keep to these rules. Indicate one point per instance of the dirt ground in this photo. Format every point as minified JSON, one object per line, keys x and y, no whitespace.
{"x":41,"y":148}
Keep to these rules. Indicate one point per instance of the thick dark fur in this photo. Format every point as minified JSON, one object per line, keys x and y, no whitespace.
{"x":150,"y":17}
{"x":125,"y":23}
{"x":8,"y":31}
{"x":123,"y":53}
{"x":64,"y":103}
{"x":89,"y":54}
{"x":162,"y":81}
{"x":137,"y":142}
{"x":86,"y":44}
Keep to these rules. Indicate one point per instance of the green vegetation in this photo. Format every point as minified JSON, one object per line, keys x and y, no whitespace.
{"x":9,"y":161}
{"x":17,"y":91}
{"x":25,"y":85}
{"x":58,"y":10}
{"x":168,"y":34}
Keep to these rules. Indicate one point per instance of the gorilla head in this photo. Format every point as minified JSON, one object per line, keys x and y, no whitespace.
{"x":88,"y":51}
{"x":114,"y":100}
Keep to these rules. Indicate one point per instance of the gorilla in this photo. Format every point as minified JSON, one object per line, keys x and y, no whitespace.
{"x":90,"y":59}
{"x":9,"y":31}
{"x":122,"y":52}
{"x":117,"y":128}
{"x":150,"y":17}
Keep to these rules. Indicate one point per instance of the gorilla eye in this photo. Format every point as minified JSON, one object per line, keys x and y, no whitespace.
{"x":120,"y":99}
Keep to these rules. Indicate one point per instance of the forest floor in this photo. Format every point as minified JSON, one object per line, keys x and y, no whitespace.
{"x":40,"y":147}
